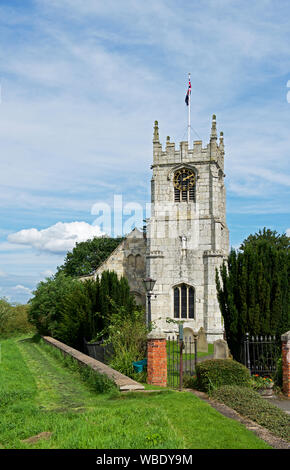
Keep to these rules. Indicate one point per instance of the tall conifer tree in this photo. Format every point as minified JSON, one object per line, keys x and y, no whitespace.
{"x":253,"y":289}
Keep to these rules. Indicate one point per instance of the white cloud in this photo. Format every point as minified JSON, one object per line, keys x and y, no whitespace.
{"x":6,"y":247}
{"x":2,"y":273}
{"x":288,"y":232}
{"x":58,"y":238}
{"x":47,"y":273}
{"x":21,"y":288}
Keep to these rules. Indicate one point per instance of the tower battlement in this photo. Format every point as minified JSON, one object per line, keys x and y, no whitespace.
{"x":212,"y":152}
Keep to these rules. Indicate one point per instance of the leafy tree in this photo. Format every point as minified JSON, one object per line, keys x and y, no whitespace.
{"x":77,"y":315}
{"x":88,"y":310}
{"x":5,"y":312}
{"x":253,"y":288}
{"x":48,"y":301}
{"x":13,"y":318}
{"x":87,"y":256}
{"x":71,"y":310}
{"x":271,"y":237}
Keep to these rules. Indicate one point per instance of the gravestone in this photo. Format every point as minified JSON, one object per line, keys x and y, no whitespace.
{"x":202,"y":345}
{"x":220,"y":349}
{"x":188,"y":337}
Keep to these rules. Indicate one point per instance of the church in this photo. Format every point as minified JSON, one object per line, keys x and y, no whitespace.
{"x":185,"y":240}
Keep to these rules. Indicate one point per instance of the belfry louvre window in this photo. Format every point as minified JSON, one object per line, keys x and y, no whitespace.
{"x":186,"y":196}
{"x":183,"y":301}
{"x":184,"y":185}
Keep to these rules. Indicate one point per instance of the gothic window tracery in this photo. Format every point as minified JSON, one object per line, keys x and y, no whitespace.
{"x":183,"y":301}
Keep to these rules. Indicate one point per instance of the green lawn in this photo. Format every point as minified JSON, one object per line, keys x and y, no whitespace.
{"x":38,"y":394}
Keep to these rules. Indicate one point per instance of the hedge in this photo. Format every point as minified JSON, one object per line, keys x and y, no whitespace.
{"x":214,"y":373}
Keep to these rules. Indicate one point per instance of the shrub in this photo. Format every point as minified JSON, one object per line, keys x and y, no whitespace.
{"x":18,"y":321}
{"x":127,"y":335}
{"x":14,"y":319}
{"x":189,"y":381}
{"x":250,"y":404}
{"x":71,"y":310}
{"x":5,"y":312}
{"x":214,"y":373}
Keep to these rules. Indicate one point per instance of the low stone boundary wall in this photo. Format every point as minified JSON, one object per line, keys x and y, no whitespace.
{"x":122,"y":381}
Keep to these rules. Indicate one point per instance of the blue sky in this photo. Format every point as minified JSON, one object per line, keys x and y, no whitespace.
{"x":83,"y":82}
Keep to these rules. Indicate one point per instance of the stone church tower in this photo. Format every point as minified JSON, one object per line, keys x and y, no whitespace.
{"x":187,"y":237}
{"x":187,"y":234}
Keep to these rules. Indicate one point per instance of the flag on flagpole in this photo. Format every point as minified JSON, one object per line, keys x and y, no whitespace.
{"x":188,"y":93}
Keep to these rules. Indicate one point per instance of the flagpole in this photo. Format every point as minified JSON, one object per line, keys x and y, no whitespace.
{"x":189,"y":101}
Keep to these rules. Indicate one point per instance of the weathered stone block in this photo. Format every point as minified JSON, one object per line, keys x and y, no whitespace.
{"x":220,"y":349}
{"x":202,"y":345}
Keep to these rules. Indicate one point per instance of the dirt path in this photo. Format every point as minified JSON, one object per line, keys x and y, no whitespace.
{"x":58,"y":388}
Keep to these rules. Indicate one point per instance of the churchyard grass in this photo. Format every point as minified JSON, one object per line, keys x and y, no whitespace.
{"x":38,"y":394}
{"x":174,"y":347}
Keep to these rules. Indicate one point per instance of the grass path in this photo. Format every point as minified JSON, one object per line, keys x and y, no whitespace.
{"x":39,"y":395}
{"x":58,"y":390}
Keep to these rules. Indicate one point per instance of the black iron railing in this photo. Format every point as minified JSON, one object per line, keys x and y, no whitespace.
{"x":260,"y":354}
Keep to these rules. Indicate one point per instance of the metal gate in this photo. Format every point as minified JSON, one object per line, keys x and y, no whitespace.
{"x":181,"y":359}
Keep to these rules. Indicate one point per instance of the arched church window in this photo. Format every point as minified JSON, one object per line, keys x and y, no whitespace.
{"x":131,"y":261}
{"x":139,"y":263}
{"x":184,"y":181}
{"x":183,"y":301}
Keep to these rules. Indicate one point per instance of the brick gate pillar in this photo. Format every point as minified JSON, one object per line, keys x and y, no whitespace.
{"x":286,"y":363}
{"x":156,"y":358}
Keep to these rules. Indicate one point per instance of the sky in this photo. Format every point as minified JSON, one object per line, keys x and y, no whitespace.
{"x":81,"y":84}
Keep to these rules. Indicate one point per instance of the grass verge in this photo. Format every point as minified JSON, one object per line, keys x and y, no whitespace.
{"x":98,"y":382}
{"x":53,"y":399}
